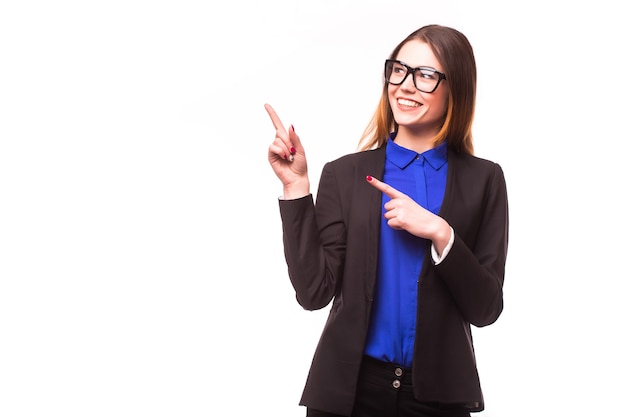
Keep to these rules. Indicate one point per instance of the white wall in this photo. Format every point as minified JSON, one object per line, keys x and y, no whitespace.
{"x":141,"y":265}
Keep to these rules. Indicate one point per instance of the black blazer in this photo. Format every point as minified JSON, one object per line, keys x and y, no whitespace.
{"x":331,"y":249}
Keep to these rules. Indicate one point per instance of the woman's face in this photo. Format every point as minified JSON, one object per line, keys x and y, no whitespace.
{"x":419,"y":112}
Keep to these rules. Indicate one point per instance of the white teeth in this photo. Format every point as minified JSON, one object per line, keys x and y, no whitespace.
{"x":409,"y":103}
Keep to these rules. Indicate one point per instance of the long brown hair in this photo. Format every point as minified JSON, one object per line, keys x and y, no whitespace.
{"x":456,"y":56}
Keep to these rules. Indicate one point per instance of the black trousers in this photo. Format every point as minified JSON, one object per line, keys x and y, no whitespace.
{"x":385,"y":390}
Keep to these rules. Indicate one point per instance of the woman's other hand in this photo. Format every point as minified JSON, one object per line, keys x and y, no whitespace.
{"x":288,"y":160}
{"x":403,"y":213}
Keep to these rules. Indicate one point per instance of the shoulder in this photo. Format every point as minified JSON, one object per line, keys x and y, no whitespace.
{"x":473,"y":172}
{"x":358,"y":158}
{"x":463,"y":161}
{"x":349,"y":168}
{"x":360,"y":155}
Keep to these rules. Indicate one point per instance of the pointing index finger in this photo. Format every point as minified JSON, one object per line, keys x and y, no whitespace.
{"x":278,"y":125}
{"x":385,"y":188}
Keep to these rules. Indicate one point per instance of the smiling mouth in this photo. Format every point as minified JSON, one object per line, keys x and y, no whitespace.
{"x":408,"y":103}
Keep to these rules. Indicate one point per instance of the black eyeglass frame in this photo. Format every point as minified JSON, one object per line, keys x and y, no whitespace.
{"x":411,"y":70}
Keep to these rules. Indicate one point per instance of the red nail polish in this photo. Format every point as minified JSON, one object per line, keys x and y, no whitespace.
{"x":293,"y":128}
{"x":293,"y":150}
{"x":369,"y":178}
{"x":284,"y":156}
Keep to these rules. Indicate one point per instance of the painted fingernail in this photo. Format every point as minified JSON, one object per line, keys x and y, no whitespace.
{"x":284,"y":156}
{"x":293,"y":150}
{"x":369,"y":178}
{"x":293,"y":129}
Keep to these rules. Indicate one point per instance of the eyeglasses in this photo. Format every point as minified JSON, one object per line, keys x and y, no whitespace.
{"x":426,"y":79}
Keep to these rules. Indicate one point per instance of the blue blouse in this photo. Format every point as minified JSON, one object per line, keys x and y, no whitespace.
{"x":394,"y":314}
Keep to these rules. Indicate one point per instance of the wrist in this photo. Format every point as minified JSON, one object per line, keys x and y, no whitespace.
{"x":441,"y":235}
{"x":297,"y":189}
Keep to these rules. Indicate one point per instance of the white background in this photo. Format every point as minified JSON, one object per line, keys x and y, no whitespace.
{"x":141,"y":265}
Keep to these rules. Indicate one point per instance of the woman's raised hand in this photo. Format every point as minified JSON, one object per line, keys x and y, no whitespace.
{"x":288,"y":160}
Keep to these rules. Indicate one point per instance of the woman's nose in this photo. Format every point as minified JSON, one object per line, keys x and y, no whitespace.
{"x":408,"y":83}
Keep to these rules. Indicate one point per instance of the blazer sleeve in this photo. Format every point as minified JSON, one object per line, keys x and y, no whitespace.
{"x":314,"y":238}
{"x":473,"y":270}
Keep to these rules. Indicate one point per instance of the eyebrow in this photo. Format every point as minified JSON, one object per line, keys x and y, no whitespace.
{"x":419,"y":66}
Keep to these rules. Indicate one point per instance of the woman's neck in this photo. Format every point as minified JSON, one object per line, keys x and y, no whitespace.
{"x":416,"y":141}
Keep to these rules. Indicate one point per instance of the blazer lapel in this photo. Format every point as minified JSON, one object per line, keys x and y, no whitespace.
{"x":374,"y":165}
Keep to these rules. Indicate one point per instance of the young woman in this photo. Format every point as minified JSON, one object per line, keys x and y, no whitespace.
{"x":407,"y":238}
